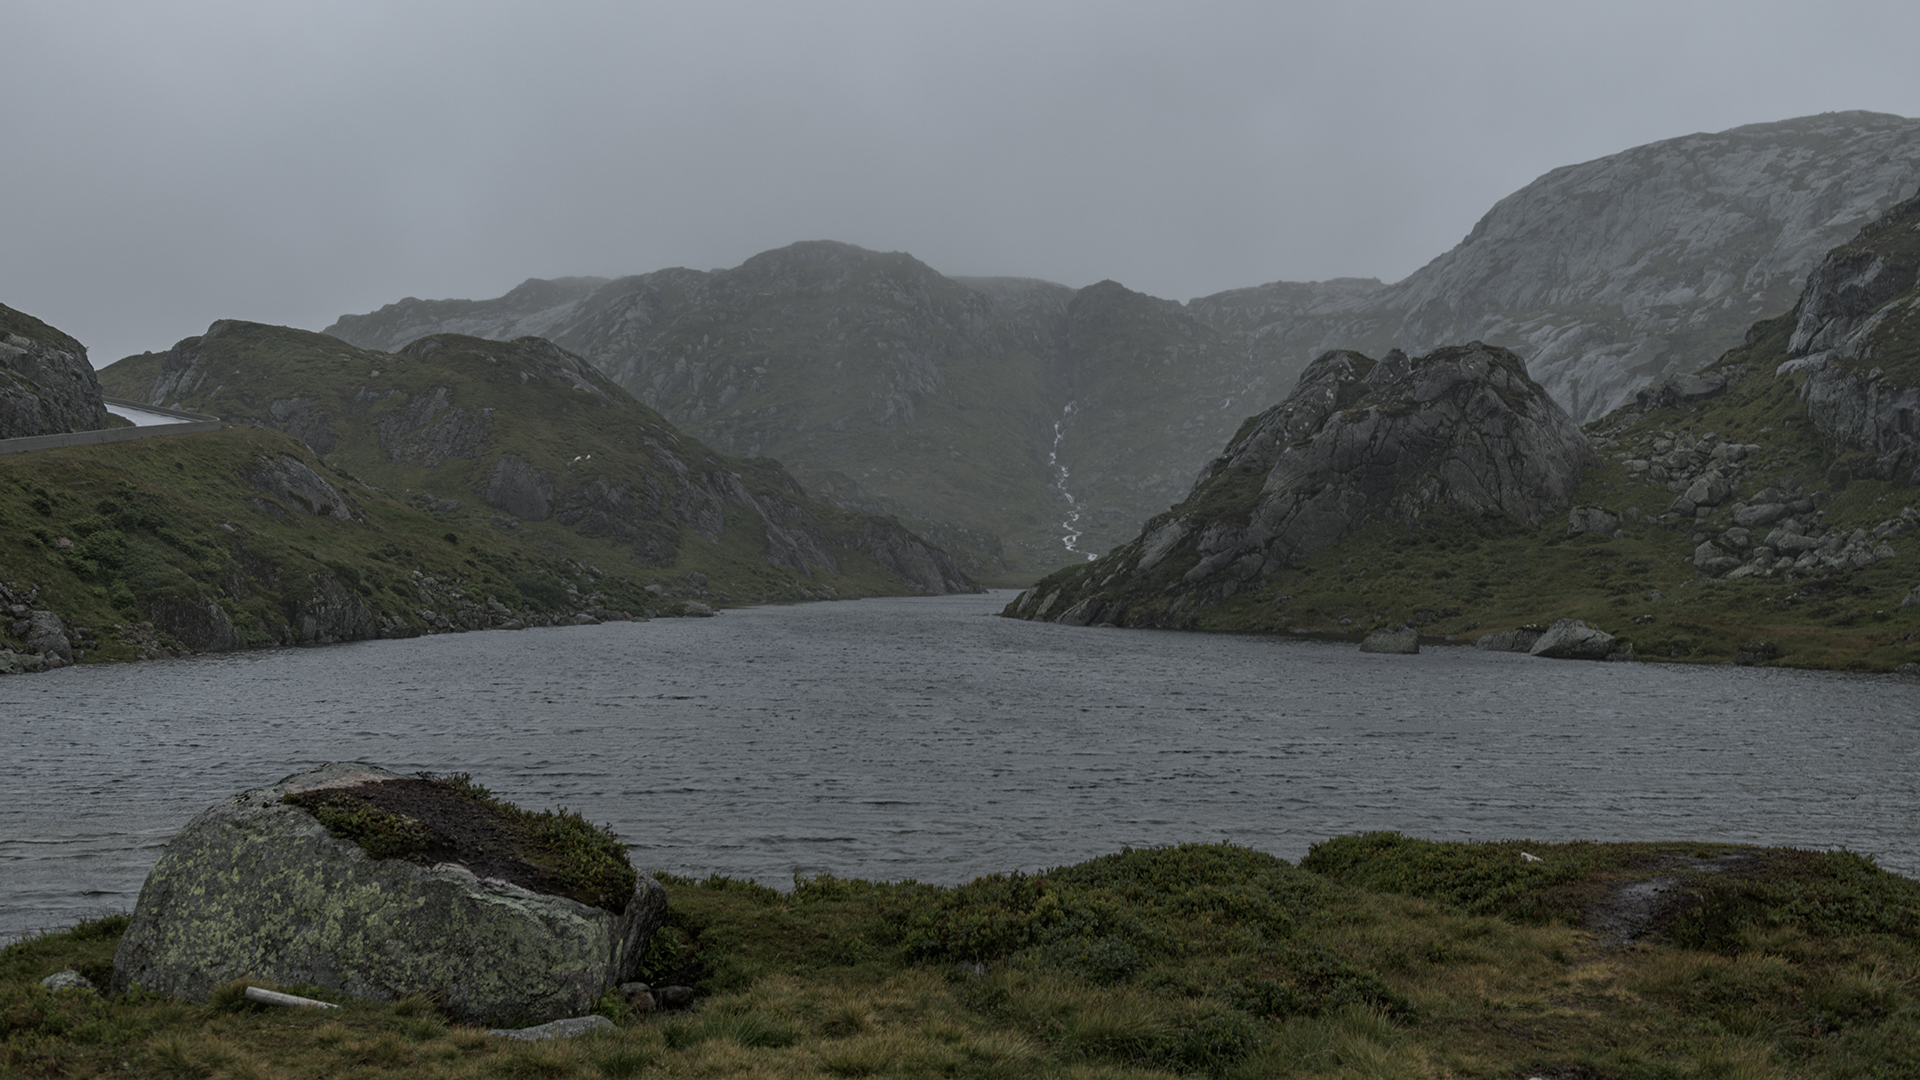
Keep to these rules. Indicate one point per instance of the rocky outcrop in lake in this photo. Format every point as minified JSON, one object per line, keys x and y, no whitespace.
{"x":46,"y":384}
{"x":1359,"y":442}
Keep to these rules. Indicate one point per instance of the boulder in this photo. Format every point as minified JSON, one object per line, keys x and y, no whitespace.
{"x":1913,"y":597}
{"x":1405,"y":640}
{"x":570,"y":1028}
{"x":1571,"y":639}
{"x":1679,"y":391}
{"x":13,"y":663}
{"x":1709,"y":490}
{"x":1518,"y":639}
{"x":257,"y":887}
{"x":67,"y":980}
{"x":1591,"y":519}
{"x":1760,"y":514}
{"x":47,"y":636}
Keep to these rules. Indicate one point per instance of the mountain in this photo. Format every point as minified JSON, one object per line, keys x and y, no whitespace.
{"x":1609,"y":274}
{"x":1023,"y":424}
{"x":1760,"y":510}
{"x":47,"y":387}
{"x":523,"y":436}
{"x":970,"y":408}
{"x":1461,"y":431}
{"x":463,"y":484}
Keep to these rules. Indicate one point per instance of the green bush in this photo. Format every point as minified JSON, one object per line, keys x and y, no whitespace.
{"x":1475,"y":878}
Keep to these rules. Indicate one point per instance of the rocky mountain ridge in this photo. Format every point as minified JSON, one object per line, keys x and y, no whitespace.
{"x":1462,"y":430}
{"x":47,"y":387}
{"x":1024,"y":424}
{"x":1608,"y":274}
{"x":1757,"y":510}
{"x":529,"y":430}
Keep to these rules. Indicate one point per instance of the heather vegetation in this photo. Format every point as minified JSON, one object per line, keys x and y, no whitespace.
{"x":1376,"y":956}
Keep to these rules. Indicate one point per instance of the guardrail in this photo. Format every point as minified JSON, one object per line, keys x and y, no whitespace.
{"x":190,"y":423}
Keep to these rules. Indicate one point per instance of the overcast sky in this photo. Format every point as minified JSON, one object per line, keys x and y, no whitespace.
{"x":163,"y":165}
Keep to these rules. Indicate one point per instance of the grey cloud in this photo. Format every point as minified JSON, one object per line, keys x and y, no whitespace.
{"x":173,"y":164}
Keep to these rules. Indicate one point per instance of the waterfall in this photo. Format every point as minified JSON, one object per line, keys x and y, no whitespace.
{"x":1072,"y":522}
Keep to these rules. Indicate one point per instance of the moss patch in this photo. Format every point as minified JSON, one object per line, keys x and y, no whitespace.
{"x":434,"y":819}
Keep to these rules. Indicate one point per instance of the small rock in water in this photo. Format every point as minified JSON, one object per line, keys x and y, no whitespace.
{"x":571,"y":1028}
{"x":1519,"y":639}
{"x":1405,"y":640}
{"x":1571,"y":639}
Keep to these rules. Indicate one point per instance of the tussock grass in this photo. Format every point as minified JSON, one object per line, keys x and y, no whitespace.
{"x":1378,"y":956}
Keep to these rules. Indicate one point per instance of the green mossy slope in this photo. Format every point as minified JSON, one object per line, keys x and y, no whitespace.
{"x":524,"y":438}
{"x":1378,"y":956}
{"x":135,"y":541}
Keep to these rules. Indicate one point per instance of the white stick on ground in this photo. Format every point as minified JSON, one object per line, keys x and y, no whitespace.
{"x":274,"y":997}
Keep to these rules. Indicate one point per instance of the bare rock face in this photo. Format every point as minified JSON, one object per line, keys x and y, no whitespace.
{"x":1609,"y":274}
{"x":295,"y":486}
{"x":1360,"y":441}
{"x":47,"y":387}
{"x":520,"y":489}
{"x":1853,"y":335}
{"x":1603,"y":276}
{"x":256,"y":887}
{"x":1462,"y":428}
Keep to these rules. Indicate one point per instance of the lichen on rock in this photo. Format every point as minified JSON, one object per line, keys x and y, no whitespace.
{"x":257,"y":887}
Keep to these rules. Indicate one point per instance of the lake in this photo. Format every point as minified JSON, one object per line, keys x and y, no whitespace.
{"x":924,"y":738}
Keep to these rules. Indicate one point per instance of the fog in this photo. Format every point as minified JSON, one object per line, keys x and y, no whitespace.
{"x":167,"y":165}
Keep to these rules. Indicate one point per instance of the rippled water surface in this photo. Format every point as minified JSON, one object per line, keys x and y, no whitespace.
{"x":923,"y":738}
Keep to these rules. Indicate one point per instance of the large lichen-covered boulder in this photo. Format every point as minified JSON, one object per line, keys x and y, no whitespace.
{"x":257,"y":887}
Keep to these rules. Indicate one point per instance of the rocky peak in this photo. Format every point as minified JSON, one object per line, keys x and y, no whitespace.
{"x":47,"y":387}
{"x":1856,"y":336}
{"x":1608,"y":274}
{"x":1360,"y":441}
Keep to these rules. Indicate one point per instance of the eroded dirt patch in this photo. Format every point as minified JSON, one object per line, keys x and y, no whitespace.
{"x":1646,"y":907}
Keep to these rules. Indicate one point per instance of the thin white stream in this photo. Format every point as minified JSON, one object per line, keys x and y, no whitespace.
{"x":1071,"y":539}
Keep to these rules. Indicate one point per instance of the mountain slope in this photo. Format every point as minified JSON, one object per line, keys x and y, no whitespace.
{"x":885,"y":385}
{"x":1760,"y":511}
{"x":1024,"y":424}
{"x":526,"y":438}
{"x":1608,"y":274}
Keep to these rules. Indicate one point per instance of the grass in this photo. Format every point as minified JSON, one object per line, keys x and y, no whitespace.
{"x":1378,"y":955}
